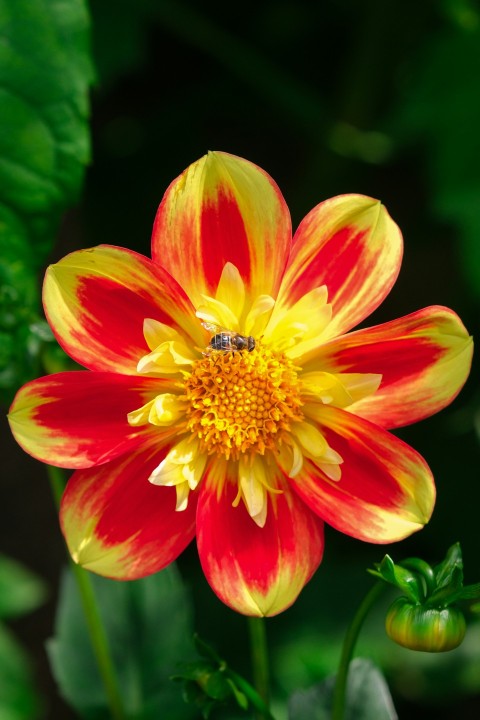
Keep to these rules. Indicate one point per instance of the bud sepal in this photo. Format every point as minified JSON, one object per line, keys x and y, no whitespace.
{"x":427,"y":617}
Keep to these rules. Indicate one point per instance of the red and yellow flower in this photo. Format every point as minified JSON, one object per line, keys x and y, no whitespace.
{"x":252,"y":451}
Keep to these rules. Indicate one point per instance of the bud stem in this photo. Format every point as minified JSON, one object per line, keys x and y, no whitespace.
{"x":339,"y":693}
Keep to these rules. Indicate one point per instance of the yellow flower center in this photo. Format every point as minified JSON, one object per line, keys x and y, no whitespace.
{"x":252,"y":409}
{"x":242,"y":402}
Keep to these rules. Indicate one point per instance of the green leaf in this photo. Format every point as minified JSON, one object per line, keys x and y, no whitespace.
{"x":45,"y":73}
{"x":402,"y":578}
{"x":149,"y":625}
{"x":470,"y":592}
{"x":20,"y":590}
{"x":240,"y":697}
{"x":18,"y":697}
{"x":368,"y":697}
{"x":210,"y":683}
{"x":450,"y":570}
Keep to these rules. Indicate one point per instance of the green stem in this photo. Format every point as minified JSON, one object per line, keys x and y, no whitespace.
{"x":258,"y":644}
{"x":348,"y":648}
{"x":252,"y":695}
{"x":96,"y":630}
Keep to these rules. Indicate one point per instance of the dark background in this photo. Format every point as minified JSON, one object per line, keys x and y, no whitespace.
{"x":379,"y":97}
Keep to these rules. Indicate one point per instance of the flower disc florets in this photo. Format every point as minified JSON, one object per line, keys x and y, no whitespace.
{"x":242,"y":402}
{"x":246,"y":414}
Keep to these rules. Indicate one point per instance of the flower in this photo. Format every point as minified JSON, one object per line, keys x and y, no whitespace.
{"x":250,"y":449}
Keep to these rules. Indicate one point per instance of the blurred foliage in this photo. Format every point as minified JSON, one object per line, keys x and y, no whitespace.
{"x":19,"y":699}
{"x":209,"y":683}
{"x":21,"y":592}
{"x":439,"y":109}
{"x":367,"y":697}
{"x":308,"y":647}
{"x":148,"y":624}
{"x":45,"y":71}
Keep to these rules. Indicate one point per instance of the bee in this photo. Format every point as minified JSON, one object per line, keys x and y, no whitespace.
{"x":226,"y":340}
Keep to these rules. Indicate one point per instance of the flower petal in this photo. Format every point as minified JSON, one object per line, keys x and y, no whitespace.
{"x":96,"y":302}
{"x":222,"y":209}
{"x":118,"y":524}
{"x":256,"y":570}
{"x":351,"y":245}
{"x":424,"y":359}
{"x":386,"y":490}
{"x":79,"y":419}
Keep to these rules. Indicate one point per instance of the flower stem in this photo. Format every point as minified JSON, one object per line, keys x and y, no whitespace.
{"x":96,"y":630}
{"x":258,"y":645}
{"x":349,"y":643}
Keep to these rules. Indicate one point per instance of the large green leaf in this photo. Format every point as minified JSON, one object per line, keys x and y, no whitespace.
{"x":368,"y":697}
{"x":45,"y":72}
{"x":149,"y":626}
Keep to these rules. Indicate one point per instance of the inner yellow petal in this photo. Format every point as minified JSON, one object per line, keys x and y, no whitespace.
{"x":166,"y":359}
{"x":166,"y":409}
{"x":217,"y":313}
{"x":156,"y":333}
{"x":231,"y":291}
{"x":253,"y":488}
{"x":310,"y":438}
{"x":258,"y":316}
{"x":290,"y":329}
{"x":183,"y":467}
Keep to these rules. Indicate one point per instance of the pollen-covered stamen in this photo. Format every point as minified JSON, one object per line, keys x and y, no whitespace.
{"x":242,"y":402}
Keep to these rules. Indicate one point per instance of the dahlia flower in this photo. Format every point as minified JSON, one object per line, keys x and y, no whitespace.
{"x":224,"y":396}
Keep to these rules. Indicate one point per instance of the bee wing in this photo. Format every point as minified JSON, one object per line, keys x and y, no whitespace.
{"x":211,"y":327}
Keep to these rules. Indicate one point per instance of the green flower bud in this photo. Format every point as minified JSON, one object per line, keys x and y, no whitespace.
{"x":419,"y":627}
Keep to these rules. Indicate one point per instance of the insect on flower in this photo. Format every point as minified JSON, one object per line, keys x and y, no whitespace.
{"x":226,"y":340}
{"x":252,"y":437}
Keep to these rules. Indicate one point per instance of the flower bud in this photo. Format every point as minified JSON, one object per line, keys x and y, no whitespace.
{"x":419,"y":627}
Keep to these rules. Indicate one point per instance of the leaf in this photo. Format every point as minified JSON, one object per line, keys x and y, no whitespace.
{"x":368,"y":697}
{"x":450,"y":570}
{"x":45,"y":73}
{"x":20,"y":590}
{"x":18,"y":697}
{"x":149,"y":625}
{"x":402,"y":578}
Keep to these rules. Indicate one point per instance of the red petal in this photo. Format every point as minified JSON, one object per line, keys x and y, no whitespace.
{"x":386,"y":491}
{"x":351,"y":245}
{"x":118,"y":524}
{"x":79,"y":419}
{"x":424,"y":359}
{"x":96,"y":301}
{"x":253,"y":570}
{"x":222,"y":208}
